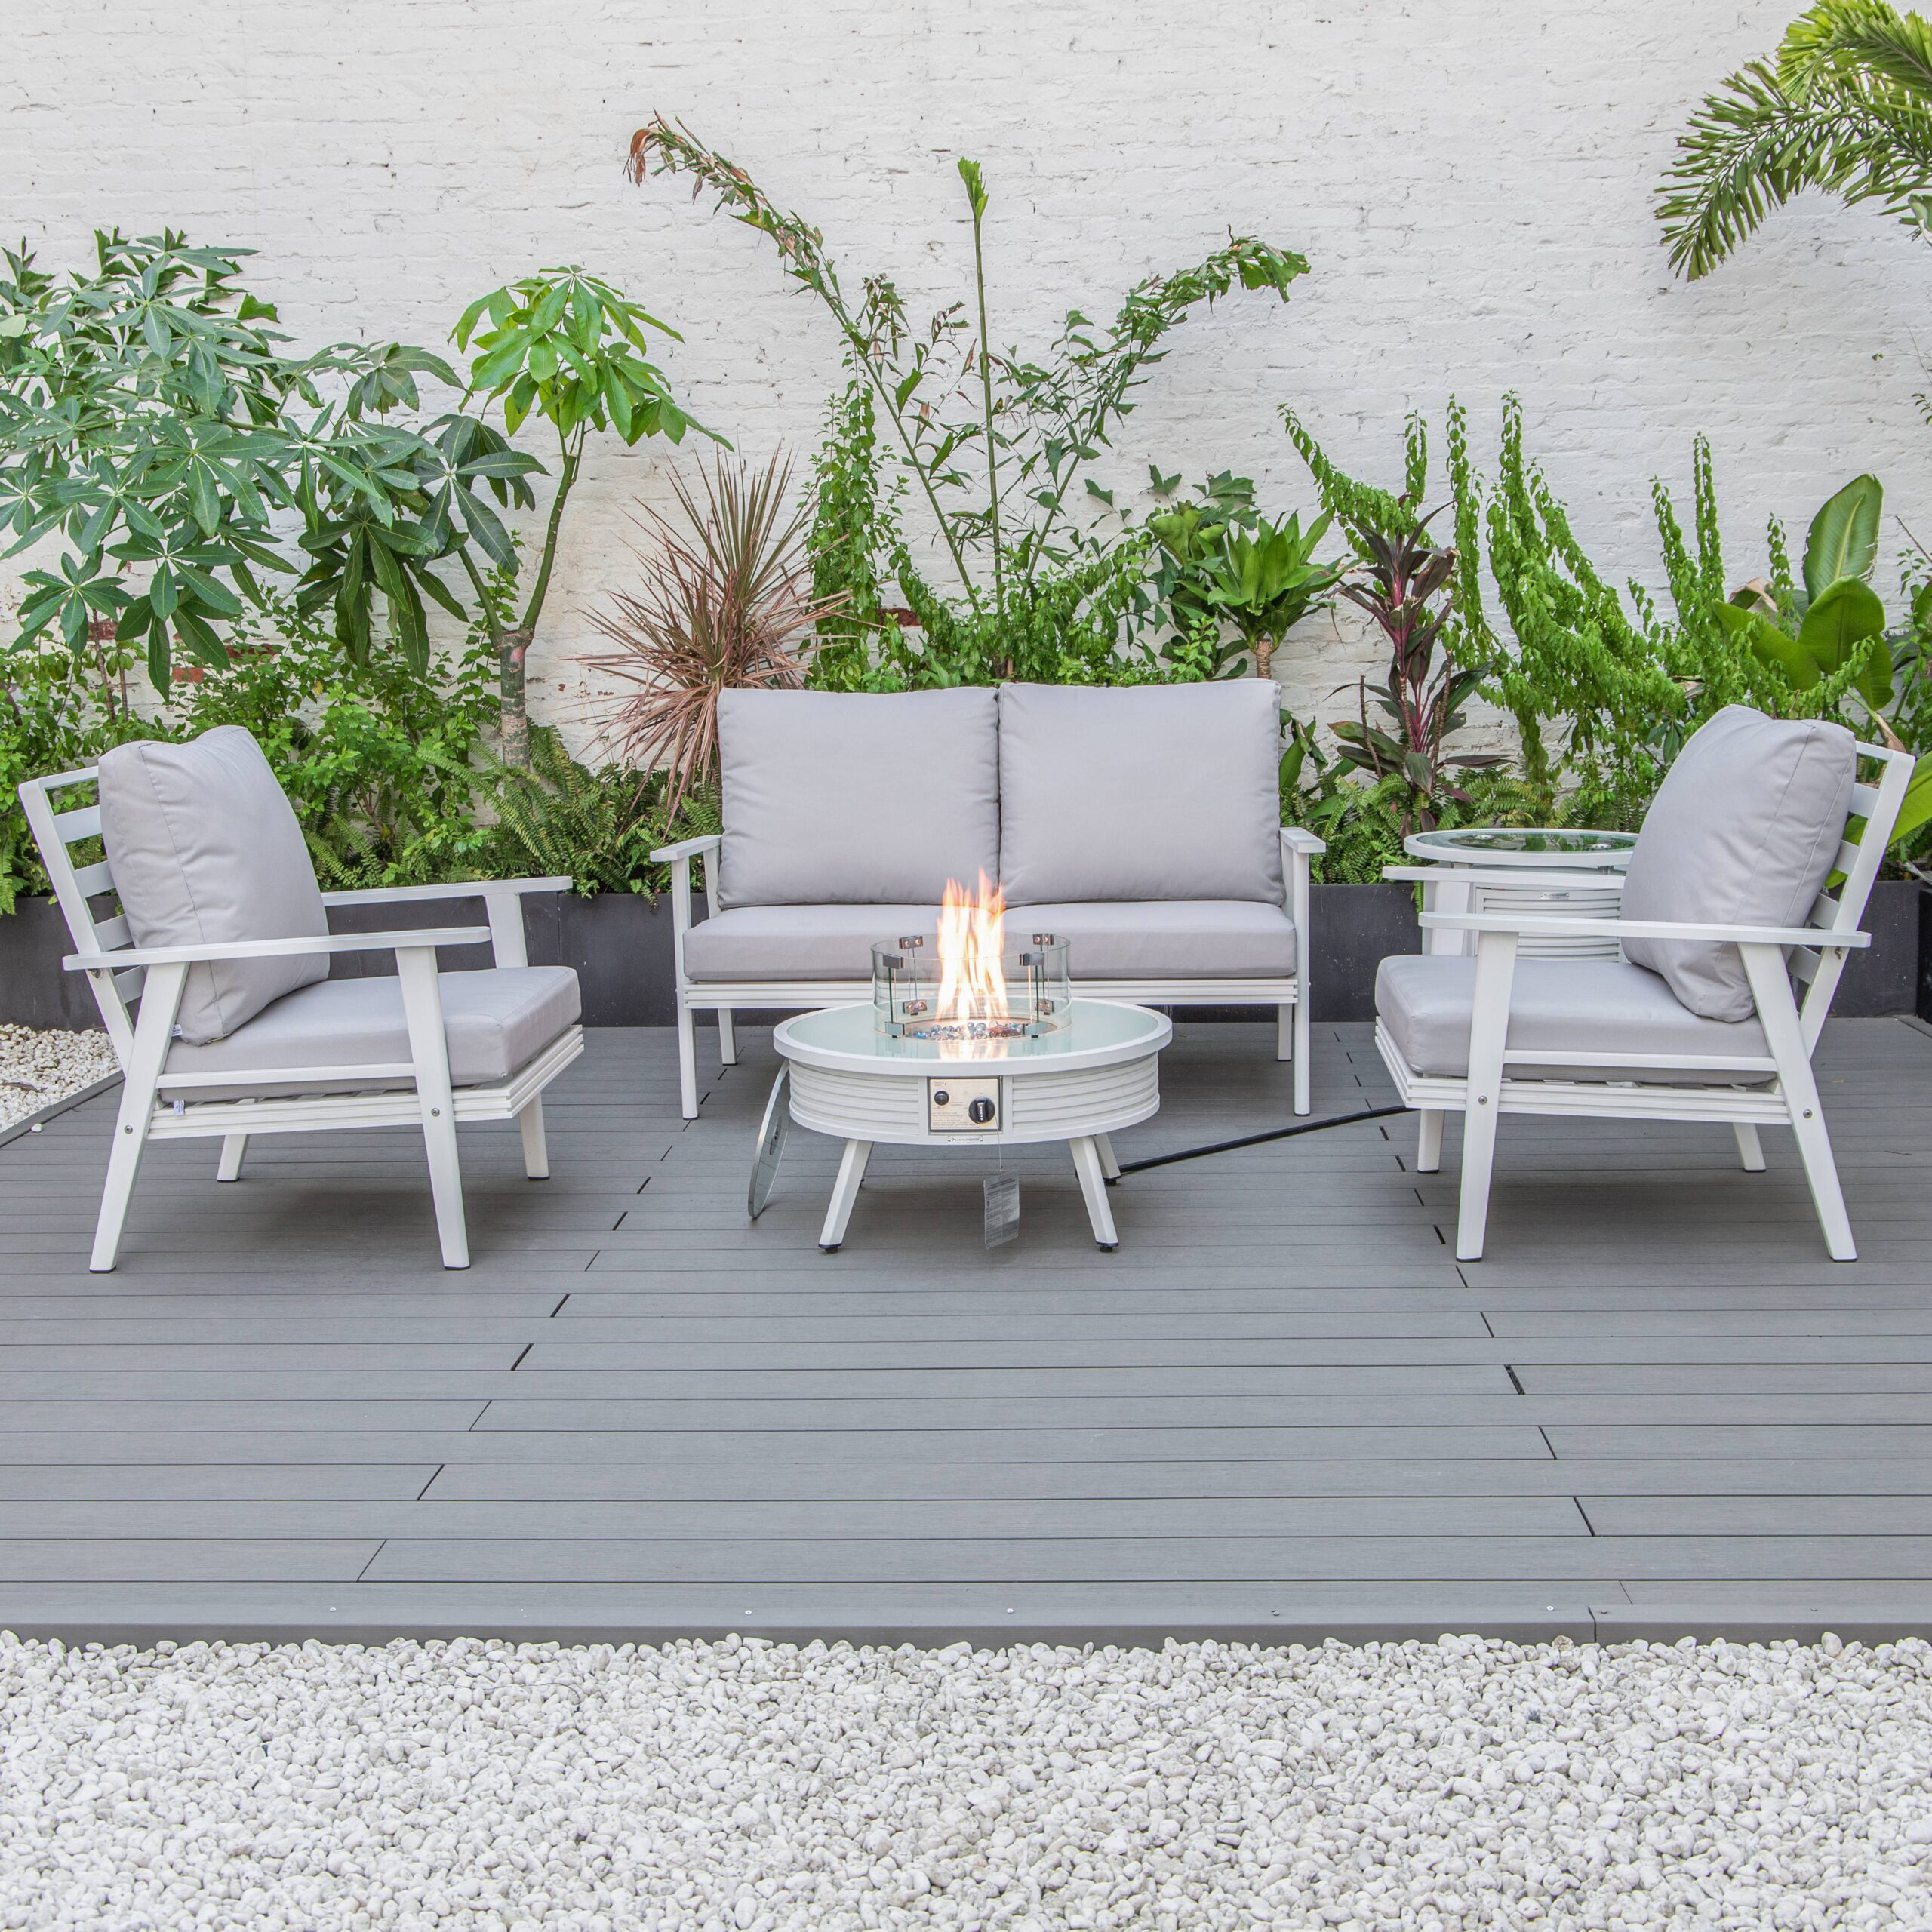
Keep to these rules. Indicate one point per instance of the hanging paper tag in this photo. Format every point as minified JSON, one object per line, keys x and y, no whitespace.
{"x":1002,"y":1209}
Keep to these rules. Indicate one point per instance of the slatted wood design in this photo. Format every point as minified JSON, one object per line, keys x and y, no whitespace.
{"x":1281,"y":1410}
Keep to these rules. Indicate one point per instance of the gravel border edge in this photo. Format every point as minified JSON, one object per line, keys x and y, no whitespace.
{"x":54,"y":1107}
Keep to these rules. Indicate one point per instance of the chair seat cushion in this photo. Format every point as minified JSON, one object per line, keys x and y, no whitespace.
{"x":797,"y":941}
{"x":1186,"y":939}
{"x":1165,"y":939}
{"x":1567,"y":1008}
{"x":495,"y":1021}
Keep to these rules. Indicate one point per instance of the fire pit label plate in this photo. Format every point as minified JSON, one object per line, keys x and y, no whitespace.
{"x":962,"y":1106}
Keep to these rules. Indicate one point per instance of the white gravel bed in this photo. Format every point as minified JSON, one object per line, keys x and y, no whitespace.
{"x":37,"y":1067}
{"x":743,"y":1786}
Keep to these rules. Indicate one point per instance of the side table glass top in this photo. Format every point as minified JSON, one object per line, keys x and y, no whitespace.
{"x":1551,"y":847}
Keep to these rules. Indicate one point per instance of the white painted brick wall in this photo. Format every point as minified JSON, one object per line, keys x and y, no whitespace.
{"x":1471,"y":182}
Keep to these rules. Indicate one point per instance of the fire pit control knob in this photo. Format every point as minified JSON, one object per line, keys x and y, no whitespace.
{"x":942,"y":1099}
{"x":980,"y":1112}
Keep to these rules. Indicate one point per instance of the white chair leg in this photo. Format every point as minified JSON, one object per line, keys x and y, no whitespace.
{"x":1777,"y":1013}
{"x":536,"y":1145}
{"x":1302,"y":1027}
{"x":1429,"y":1141}
{"x":428,"y":1049}
{"x":234,"y":1147}
{"x":686,"y":1061}
{"x":1750,"y":1150}
{"x":1094,"y":1190}
{"x":1489,"y":1028}
{"x":1109,"y":1167}
{"x":161,"y":1000}
{"x":1284,"y":1032}
{"x":727,"y":1038}
{"x":845,"y":1192}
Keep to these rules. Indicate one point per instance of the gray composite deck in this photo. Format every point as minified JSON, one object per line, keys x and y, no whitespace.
{"x":1281,"y":1410}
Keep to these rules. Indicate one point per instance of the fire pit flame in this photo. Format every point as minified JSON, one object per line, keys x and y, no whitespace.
{"x":972,"y":943}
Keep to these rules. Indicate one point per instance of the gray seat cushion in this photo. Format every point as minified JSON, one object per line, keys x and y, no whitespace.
{"x":495,"y":1021}
{"x":1742,"y":832}
{"x":1568,"y":1008}
{"x":797,"y":941}
{"x":1177,"y":938}
{"x":1163,"y":938}
{"x":833,"y":798}
{"x":204,"y":848}
{"x":1158,"y":791}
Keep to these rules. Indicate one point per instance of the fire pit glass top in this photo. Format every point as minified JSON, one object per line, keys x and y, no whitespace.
{"x":849,"y":1036}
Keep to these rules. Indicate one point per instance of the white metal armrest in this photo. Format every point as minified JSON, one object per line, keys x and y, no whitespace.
{"x":1536,"y":926}
{"x":275,"y":948}
{"x":688,"y":848}
{"x":1297,"y":840}
{"x":1519,"y":876}
{"x":397,"y":895}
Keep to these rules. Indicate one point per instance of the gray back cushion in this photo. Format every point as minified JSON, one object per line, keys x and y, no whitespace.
{"x":1147,"y":791}
{"x":205,"y":847}
{"x":1742,"y":832}
{"x":849,"y":798}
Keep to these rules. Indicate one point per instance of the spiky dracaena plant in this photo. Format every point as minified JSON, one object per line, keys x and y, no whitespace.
{"x":1845,"y":105}
{"x":721,"y":602}
{"x":1403,"y":586}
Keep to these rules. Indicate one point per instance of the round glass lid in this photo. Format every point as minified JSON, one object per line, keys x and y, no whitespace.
{"x":1524,"y":844}
{"x":1091,"y":1025}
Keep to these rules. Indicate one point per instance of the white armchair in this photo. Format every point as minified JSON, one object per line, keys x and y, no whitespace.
{"x":239,"y":1030}
{"x":1693,"y":1018}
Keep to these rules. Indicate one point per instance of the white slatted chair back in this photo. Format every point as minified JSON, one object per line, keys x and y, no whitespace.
{"x":1840,"y":906}
{"x":76,"y":889}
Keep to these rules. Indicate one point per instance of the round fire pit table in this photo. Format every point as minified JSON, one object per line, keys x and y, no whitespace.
{"x":1085,"y":1079}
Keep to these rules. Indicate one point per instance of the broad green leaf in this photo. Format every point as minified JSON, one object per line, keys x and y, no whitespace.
{"x":1845,"y":617}
{"x":1773,"y":643}
{"x":1915,"y":809}
{"x":1844,"y":538}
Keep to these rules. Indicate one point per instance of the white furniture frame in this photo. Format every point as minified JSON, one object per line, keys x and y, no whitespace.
{"x":139,"y":989}
{"x":1817,"y":956}
{"x":1289,"y":996}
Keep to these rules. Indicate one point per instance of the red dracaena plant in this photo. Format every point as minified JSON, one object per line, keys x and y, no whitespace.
{"x":722,"y":598}
{"x":1403,"y":582}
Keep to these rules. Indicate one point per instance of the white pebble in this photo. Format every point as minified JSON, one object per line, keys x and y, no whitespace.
{"x":479,"y":1785}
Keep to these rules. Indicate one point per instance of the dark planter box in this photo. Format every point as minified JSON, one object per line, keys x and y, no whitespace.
{"x":619,"y":944}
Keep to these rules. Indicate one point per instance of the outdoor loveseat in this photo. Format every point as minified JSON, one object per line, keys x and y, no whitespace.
{"x":1142,"y":825}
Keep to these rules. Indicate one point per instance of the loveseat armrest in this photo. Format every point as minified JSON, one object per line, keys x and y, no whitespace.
{"x":1296,"y":838}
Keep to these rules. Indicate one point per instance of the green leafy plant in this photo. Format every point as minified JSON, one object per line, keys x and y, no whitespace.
{"x":995,"y":447}
{"x":722,"y":602}
{"x":1845,"y":106}
{"x":1829,"y":625}
{"x":597,"y":828}
{"x":1264,"y":580}
{"x":565,"y":346}
{"x":152,"y":429}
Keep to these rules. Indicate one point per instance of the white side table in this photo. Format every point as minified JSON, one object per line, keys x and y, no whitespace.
{"x":1525,"y":869}
{"x":1079,"y":1084}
